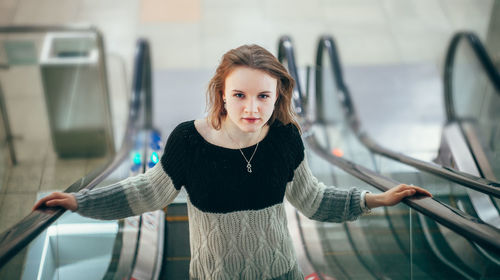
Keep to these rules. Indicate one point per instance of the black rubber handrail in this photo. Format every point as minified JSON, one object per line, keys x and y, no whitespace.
{"x":286,"y":53}
{"x":142,"y":88}
{"x":483,"y":58}
{"x":21,"y":234}
{"x":327,"y":43}
{"x":143,"y":81}
{"x":462,"y":223}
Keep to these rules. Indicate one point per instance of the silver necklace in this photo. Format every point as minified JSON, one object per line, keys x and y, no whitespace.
{"x":249,"y":165}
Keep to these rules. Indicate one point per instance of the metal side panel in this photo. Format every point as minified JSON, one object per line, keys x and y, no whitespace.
{"x":464,"y":161}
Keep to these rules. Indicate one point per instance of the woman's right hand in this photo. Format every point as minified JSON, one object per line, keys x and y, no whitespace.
{"x":64,"y":200}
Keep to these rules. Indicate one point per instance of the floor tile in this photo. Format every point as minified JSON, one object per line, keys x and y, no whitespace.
{"x":24,"y":178}
{"x":62,"y":173}
{"x":14,"y":208}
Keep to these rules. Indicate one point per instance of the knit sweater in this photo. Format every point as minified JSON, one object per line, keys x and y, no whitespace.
{"x":237,"y":221}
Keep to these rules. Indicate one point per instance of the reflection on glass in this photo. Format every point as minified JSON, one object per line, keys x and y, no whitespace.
{"x":327,"y":104}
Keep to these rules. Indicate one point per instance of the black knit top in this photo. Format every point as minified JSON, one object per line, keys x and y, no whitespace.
{"x":216,"y":178}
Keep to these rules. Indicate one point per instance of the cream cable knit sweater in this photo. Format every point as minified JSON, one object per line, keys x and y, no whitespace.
{"x":235,"y":244}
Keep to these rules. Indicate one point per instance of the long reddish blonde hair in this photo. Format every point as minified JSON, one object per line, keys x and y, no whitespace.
{"x":255,"y":57}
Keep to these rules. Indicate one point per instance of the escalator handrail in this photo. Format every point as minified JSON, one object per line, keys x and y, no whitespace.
{"x":21,"y":234}
{"x":460,"y":222}
{"x":480,"y":184}
{"x":143,"y":81}
{"x":456,"y":220}
{"x":484,"y":59}
{"x":286,"y":52}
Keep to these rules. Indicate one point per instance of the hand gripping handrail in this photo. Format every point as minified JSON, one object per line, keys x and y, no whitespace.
{"x":327,"y":43}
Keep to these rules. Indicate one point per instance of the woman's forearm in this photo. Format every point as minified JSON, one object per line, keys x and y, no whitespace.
{"x":373,"y":200}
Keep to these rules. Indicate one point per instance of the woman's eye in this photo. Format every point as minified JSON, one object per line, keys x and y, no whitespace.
{"x":239,"y":95}
{"x":264,"y":96}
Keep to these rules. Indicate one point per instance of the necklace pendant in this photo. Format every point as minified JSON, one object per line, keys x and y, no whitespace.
{"x":249,"y":168}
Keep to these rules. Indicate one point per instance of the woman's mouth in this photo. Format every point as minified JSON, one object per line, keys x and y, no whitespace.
{"x":251,"y":120}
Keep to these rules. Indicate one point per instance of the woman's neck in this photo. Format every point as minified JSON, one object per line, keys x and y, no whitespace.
{"x":242,"y":138}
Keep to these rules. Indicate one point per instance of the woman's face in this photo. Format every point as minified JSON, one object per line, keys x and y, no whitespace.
{"x":250,"y":96}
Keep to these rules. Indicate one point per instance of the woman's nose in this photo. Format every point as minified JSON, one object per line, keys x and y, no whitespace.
{"x":251,"y":106}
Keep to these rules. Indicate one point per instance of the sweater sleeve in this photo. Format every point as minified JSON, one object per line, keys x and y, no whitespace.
{"x":321,"y":203}
{"x":313,"y":198}
{"x":146,"y":192}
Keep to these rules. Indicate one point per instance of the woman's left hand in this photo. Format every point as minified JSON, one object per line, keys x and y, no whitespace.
{"x":394,"y":195}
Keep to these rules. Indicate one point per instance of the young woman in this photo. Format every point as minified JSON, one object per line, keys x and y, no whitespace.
{"x":237,"y":166}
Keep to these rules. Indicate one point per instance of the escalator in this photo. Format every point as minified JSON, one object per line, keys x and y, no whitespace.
{"x":396,"y":242}
{"x":469,"y":175}
{"x":472,"y":100}
{"x":51,"y":242}
{"x":474,"y":199}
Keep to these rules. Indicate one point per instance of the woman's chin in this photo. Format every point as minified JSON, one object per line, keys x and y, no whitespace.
{"x":250,"y":127}
{"x":247,"y":129}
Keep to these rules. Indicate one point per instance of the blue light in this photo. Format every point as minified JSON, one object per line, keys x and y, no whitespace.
{"x":137,"y":158}
{"x":155,"y":146}
{"x":154,"y":157}
{"x":155,"y":136}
